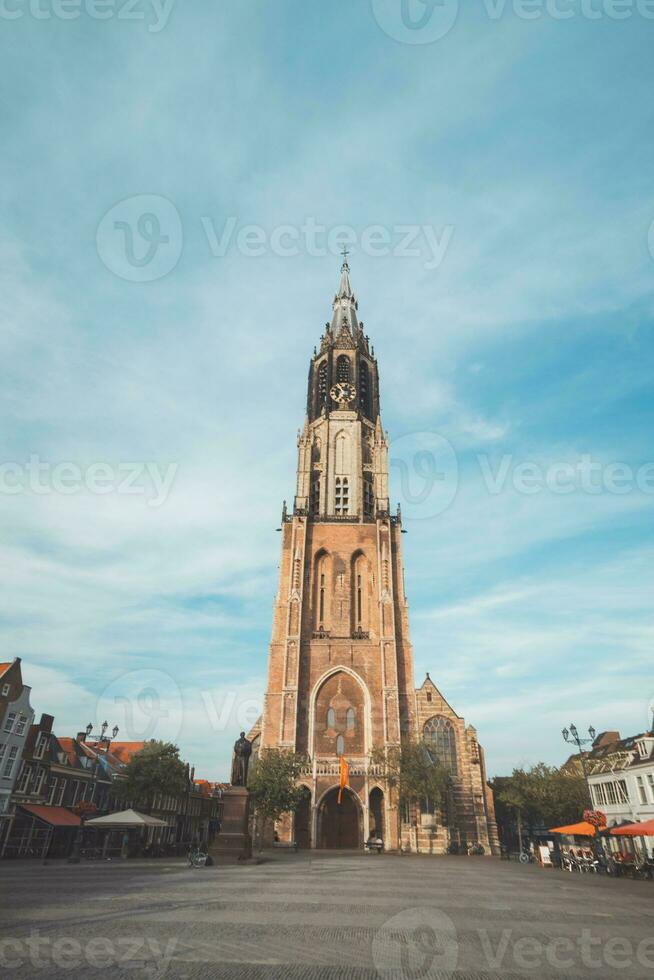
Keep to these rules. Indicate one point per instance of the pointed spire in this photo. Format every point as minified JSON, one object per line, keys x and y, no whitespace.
{"x":345,"y":304}
{"x":344,"y":287}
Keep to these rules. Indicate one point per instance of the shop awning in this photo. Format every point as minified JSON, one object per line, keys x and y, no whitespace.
{"x":124,"y":820}
{"x":645,"y":829}
{"x":56,"y":816}
{"x":581,"y":829}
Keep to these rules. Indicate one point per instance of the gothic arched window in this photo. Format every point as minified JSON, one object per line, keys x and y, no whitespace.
{"x":368,"y":496}
{"x":314,"y":498}
{"x":343,"y":368}
{"x":331,"y":718}
{"x":322,"y":386}
{"x":359,"y":587}
{"x":440,"y":738}
{"x":342,"y":453}
{"x":349,"y":719}
{"x":321,"y":579}
{"x":364,"y":387}
{"x":340,"y":745}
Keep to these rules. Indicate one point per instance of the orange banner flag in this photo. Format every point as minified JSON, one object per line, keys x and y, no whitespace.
{"x":343,"y":776}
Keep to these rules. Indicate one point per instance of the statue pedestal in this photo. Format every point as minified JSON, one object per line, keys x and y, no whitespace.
{"x":233,"y":844}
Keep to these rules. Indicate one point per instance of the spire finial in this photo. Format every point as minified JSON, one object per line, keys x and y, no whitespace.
{"x":345,"y":254}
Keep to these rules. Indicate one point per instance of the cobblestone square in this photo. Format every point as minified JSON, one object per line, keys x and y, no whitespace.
{"x":314,"y":916}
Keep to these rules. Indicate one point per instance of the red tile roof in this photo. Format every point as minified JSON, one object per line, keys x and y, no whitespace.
{"x":56,"y":816}
{"x":68,"y":746}
{"x":123,"y":751}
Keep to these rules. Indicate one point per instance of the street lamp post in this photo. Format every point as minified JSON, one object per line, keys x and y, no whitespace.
{"x":572,"y":735}
{"x":75,"y":854}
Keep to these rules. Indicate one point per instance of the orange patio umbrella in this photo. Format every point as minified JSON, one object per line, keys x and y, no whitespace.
{"x":645,"y":829}
{"x":581,"y":829}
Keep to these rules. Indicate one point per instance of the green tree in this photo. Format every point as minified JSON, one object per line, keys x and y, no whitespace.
{"x":272,"y":782}
{"x":541,"y":795}
{"x":415,"y":773}
{"x":156,"y":769}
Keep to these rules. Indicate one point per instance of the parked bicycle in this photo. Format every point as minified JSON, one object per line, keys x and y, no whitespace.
{"x":198,"y":858}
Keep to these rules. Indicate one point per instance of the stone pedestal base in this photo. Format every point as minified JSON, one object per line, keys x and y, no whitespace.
{"x":233,"y":844}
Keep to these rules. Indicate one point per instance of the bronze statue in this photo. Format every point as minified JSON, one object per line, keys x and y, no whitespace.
{"x":241,"y":761}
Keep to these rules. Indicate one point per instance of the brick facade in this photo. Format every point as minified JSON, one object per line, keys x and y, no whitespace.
{"x":340,"y":668}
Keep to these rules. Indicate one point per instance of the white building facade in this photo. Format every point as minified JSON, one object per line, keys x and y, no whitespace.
{"x":621,"y":778}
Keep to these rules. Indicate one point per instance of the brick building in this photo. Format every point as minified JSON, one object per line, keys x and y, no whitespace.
{"x":16,"y":716}
{"x":340,"y":671}
{"x":61,"y":776}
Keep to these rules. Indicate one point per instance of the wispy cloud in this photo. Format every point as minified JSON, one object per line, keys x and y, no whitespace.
{"x":533,"y":338}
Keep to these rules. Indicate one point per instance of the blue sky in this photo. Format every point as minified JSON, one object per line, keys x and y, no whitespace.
{"x":525,"y":146}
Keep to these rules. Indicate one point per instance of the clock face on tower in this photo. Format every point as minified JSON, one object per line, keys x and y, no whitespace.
{"x":344,"y":393}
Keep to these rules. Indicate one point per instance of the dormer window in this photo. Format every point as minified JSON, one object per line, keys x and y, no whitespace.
{"x":41,"y":743}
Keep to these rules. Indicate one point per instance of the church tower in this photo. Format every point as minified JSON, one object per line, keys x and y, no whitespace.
{"x":340,"y":676}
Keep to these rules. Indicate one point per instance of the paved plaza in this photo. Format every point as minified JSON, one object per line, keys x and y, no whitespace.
{"x":315,"y":916}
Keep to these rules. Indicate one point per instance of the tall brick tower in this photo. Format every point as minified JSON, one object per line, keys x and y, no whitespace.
{"x":340,"y":675}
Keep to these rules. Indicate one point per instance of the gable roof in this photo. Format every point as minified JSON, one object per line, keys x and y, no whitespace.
{"x":428,"y":683}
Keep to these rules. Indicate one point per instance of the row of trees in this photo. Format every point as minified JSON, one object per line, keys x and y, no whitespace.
{"x":542,"y":796}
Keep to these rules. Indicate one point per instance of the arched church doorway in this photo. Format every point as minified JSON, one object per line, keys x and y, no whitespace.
{"x":303,"y":820}
{"x":339,"y":824}
{"x":376,"y":805}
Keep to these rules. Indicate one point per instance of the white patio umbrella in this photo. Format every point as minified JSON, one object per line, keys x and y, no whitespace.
{"x":125,"y":820}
